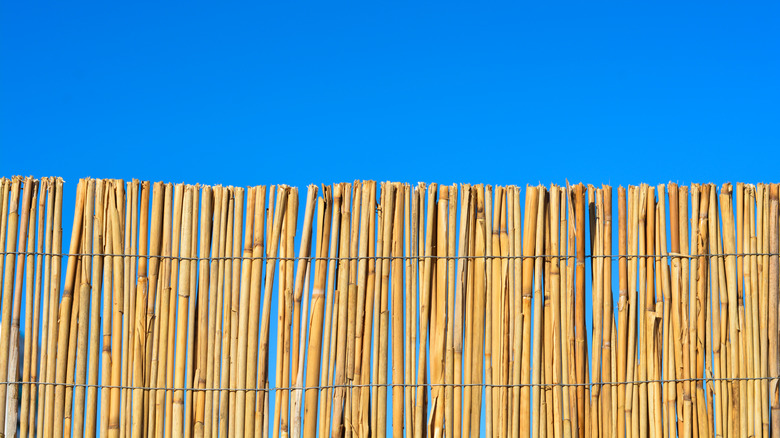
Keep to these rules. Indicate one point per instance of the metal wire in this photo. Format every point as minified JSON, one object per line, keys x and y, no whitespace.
{"x":417,"y":257}
{"x":393,"y":385}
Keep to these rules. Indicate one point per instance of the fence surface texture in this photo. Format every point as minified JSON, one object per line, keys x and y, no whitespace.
{"x":369,"y":309}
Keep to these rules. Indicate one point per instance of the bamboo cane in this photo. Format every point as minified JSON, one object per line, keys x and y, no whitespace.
{"x":763,"y":269}
{"x":538,"y":316}
{"x":398,"y":317}
{"x":409,"y":346}
{"x":359,"y":324}
{"x":547,"y":422}
{"x":516,"y":307}
{"x":478,"y":331}
{"x":438,"y":309}
{"x":178,"y":205}
{"x":108,"y":267}
{"x":460,"y":294}
{"x":331,"y":312}
{"x":31,"y":307}
{"x":66,"y":304}
{"x":635,"y":245}
{"x":138,"y":311}
{"x":408,"y":302}
{"x":221,"y":327}
{"x":623,"y":304}
{"x":566,"y":315}
{"x":669,"y":287}
{"x":733,"y":311}
{"x":200,"y":311}
{"x":655,"y":311}
{"x":508,"y":306}
{"x":688,"y":307}
{"x":774,"y":303}
{"x":571,"y":368}
{"x":124,"y":208}
{"x":284,"y":315}
{"x":579,"y":308}
{"x":284,"y":319}
{"x":725,"y":358}
{"x":216,"y":307}
{"x":555,"y":315}
{"x":317,"y":313}
{"x":117,"y":284}
{"x":226,"y":286}
{"x":745,"y":413}
{"x":39,"y":306}
{"x":424,"y":307}
{"x":352,"y":403}
{"x":243,"y":323}
{"x":83,"y":309}
{"x":364,"y":394}
{"x":177,"y":418}
{"x":609,"y":321}
{"x":295,"y":428}
{"x":763,"y":226}
{"x":159,"y":367}
{"x":153,"y":304}
{"x":522,"y":399}
{"x":714,"y":303}
{"x":598,"y":310}
{"x":10,"y":335}
{"x":469,"y":328}
{"x":191,"y":375}
{"x":208,"y":296}
{"x":284,"y":297}
{"x":493,"y":306}
{"x":302,"y":292}
{"x":45,"y":311}
{"x":270,"y":269}
{"x":128,"y":205}
{"x":339,"y":398}
{"x":745,"y":322}
{"x":384,"y":310}
{"x":449,"y":391}
{"x":368,"y":415}
{"x":759,"y":419}
{"x":4,"y":207}
{"x":703,"y":331}
{"x":648,"y":410}
{"x":10,"y":352}
{"x":8,"y":288}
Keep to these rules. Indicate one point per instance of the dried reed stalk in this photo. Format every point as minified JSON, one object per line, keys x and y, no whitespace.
{"x":460,"y":297}
{"x":425,"y":300}
{"x":10,"y":335}
{"x":32,"y":305}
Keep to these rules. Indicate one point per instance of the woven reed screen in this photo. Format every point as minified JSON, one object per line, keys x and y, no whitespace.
{"x":368,"y":309}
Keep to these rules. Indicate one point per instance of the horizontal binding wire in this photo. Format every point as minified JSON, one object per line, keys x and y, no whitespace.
{"x":392,"y":385}
{"x":418,"y":257}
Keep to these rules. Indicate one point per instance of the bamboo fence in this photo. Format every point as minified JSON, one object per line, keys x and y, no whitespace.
{"x":442,"y":311}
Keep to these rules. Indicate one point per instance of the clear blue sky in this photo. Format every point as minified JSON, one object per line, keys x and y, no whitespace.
{"x":298,"y":93}
{"x":620,"y":92}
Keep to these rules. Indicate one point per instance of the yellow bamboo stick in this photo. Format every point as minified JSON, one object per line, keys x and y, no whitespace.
{"x":10,"y":335}
{"x":331,"y":313}
{"x":32,"y":307}
{"x":424,"y":307}
{"x":460,"y":296}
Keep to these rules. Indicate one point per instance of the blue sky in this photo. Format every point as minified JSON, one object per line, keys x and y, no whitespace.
{"x":620,"y":92}
{"x":299,"y":93}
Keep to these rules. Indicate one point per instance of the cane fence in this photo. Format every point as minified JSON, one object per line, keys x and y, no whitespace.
{"x":389,"y":309}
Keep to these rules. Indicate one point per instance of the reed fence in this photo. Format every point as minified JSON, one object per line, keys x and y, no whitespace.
{"x":436,"y":310}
